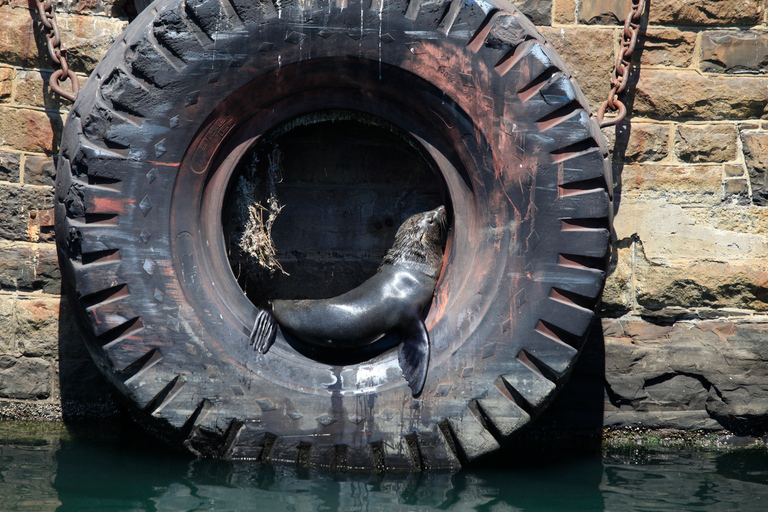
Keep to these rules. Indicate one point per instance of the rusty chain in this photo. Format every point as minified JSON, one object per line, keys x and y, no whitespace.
{"x":620,"y":75}
{"x":58,"y":54}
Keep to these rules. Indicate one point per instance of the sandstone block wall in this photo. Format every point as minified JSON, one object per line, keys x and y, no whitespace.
{"x":683,"y":339}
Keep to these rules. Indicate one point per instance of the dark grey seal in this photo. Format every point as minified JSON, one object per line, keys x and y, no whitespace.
{"x":390,"y":301}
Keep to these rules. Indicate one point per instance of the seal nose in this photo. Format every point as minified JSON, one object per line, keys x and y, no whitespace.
{"x":437,"y":214}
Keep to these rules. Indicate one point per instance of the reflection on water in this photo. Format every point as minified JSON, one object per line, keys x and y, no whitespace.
{"x":55,"y":470}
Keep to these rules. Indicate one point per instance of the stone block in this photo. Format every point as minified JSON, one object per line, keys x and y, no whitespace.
{"x":666,"y":258}
{"x":86,"y":38}
{"x":733,"y":170}
{"x":684,"y":262}
{"x":667,"y":94}
{"x":755,"y":147}
{"x":697,"y":143}
{"x":638,"y":142}
{"x":565,"y":11}
{"x":7,"y":324}
{"x":666,"y":47}
{"x":40,"y":170}
{"x":670,"y":235}
{"x":32,"y":89}
{"x":14,"y":213}
{"x":9,"y":166}
{"x":677,"y":184}
{"x":617,"y":295}
{"x":24,"y":378}
{"x":6,"y":84}
{"x":675,"y":12}
{"x":735,"y":187}
{"x":749,"y":125}
{"x":37,"y":326}
{"x":741,"y":218}
{"x":603,"y":12}
{"x":538,"y":11}
{"x":31,"y":130}
{"x":717,"y":13}
{"x":734,"y":51}
{"x":590,"y":68}
{"x":18,"y":44}
{"x":29,"y":267}
{"x":717,"y":368}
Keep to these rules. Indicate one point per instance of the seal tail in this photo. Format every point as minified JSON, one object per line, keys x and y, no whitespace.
{"x":414,"y":356}
{"x":264,"y":331}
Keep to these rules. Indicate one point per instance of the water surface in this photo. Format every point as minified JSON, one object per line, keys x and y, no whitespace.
{"x":52,"y":468}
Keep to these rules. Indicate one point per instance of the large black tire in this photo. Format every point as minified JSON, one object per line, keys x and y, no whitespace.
{"x":147,"y":153}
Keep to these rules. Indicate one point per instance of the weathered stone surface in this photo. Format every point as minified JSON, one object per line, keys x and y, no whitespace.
{"x":740,"y":218}
{"x":591,"y":69}
{"x":32,"y":89}
{"x":678,"y":261}
{"x":24,"y":378}
{"x":706,"y":12}
{"x":738,"y":187}
{"x":670,"y":235}
{"x":14,"y":213}
{"x":638,"y":142}
{"x":6,"y":83}
{"x":37,"y":326}
{"x":676,"y":12}
{"x":603,"y":12}
{"x":29,"y":267}
{"x":677,"y":184}
{"x":703,"y":283}
{"x":565,"y":11}
{"x":734,"y":171}
{"x":86,"y":39}
{"x":696,"y":143}
{"x":40,"y":170}
{"x":734,"y":51}
{"x":17,"y":38}
{"x":9,"y":166}
{"x":7,"y":323}
{"x":666,"y":47}
{"x":31,"y":130}
{"x":755,"y":147}
{"x":538,"y":11}
{"x":663,"y":94}
{"x":717,"y":369}
{"x":618,"y":291}
{"x":749,"y":125}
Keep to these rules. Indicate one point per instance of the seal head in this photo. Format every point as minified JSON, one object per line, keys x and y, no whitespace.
{"x":390,"y":301}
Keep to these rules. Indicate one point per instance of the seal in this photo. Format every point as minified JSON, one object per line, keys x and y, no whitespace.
{"x":390,"y":301}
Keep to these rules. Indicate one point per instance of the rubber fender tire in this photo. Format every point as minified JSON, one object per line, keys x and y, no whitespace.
{"x":151,"y":142}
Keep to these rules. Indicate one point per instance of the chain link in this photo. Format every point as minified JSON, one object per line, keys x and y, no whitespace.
{"x":620,"y":75}
{"x":57,"y":53}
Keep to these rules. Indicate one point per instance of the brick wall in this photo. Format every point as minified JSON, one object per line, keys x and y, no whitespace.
{"x":683,"y":327}
{"x":31,"y":119}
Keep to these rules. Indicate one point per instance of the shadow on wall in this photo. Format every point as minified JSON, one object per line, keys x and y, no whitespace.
{"x":86,"y":395}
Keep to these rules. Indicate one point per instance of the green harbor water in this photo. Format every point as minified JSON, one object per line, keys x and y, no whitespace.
{"x":52,"y":468}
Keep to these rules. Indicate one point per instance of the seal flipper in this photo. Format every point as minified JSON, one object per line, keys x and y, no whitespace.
{"x":264,"y":331}
{"x":414,"y":355}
